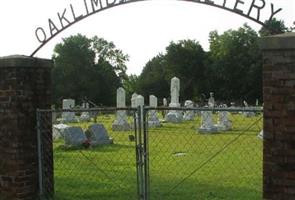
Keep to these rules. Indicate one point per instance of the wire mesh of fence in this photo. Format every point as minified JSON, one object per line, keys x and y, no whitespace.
{"x":204,"y":153}
{"x":93,"y":153}
{"x":150,"y":153}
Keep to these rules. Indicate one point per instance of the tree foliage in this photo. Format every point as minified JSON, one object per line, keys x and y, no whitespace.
{"x":236,"y":64}
{"x":87,"y":68}
{"x":232,"y":69}
{"x":273,"y":27}
{"x":184,"y":59}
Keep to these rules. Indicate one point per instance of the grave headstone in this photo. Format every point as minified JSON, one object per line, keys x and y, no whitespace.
{"x":139,"y":102}
{"x":74,"y":136}
{"x":248,"y":113}
{"x":260,"y":135}
{"x":224,"y":123}
{"x":207,"y":125}
{"x":174,"y":116}
{"x":153,"y":116}
{"x":98,"y":134}
{"x":133,"y":99}
{"x":211,"y":100}
{"x":121,"y":122}
{"x":190,"y":114}
{"x":58,"y":131}
{"x":85,"y":116}
{"x":165,"y":102}
{"x":68,"y":104}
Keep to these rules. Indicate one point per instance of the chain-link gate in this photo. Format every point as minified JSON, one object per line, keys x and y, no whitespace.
{"x":151,"y":153}
{"x":96,"y":153}
{"x":204,"y":153}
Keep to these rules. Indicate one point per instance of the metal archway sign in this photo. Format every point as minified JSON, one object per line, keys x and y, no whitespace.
{"x":69,"y":16}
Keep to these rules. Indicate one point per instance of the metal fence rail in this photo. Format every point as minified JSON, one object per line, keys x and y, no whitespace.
{"x":152,"y":156}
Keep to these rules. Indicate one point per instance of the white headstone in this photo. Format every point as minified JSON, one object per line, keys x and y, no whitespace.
{"x":68,"y":104}
{"x":211,"y":100}
{"x":58,"y":130}
{"x":74,"y":136}
{"x":139,"y":101}
{"x":260,"y":135}
{"x":133,"y":99}
{"x":121,"y":122}
{"x":165,"y":102}
{"x":189,"y":115}
{"x":224,"y":123}
{"x":257,"y":103}
{"x":98,"y":134}
{"x":174,"y":116}
{"x":153,"y":116}
{"x":174,"y":92}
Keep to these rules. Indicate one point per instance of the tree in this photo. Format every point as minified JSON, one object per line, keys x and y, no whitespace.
{"x":87,"y":68}
{"x":152,"y":78}
{"x":185,"y":59}
{"x":272,"y":27}
{"x":236,"y":63}
{"x":130,"y":84}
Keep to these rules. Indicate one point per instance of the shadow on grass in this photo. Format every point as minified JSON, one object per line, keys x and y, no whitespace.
{"x":76,"y":189}
{"x":73,"y":188}
{"x":192,"y":190}
{"x":103,"y":148}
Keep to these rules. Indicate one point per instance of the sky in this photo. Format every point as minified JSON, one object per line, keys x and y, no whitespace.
{"x":142,"y":29}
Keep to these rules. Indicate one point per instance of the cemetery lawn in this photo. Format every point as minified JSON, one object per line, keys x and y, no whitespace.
{"x":183,"y":164}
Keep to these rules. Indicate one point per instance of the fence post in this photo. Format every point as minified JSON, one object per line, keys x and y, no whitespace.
{"x":25,"y":84}
{"x":279,"y":117}
{"x":145,"y":152}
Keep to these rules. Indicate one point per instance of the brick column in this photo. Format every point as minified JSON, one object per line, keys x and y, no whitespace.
{"x":279,"y":116}
{"x":25,"y":85}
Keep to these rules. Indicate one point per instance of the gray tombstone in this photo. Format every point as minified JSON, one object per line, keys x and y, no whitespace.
{"x":174,"y":116}
{"x":207,"y":125}
{"x":121,"y":122}
{"x":85,"y":116}
{"x":98,"y":134}
{"x":74,"y":136}
{"x":153,"y":120}
{"x":189,"y":115}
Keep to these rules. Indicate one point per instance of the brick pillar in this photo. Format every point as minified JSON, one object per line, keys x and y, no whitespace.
{"x":279,"y":116}
{"x":25,"y":85}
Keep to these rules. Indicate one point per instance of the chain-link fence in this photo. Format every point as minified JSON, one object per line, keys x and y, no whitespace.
{"x":94,"y":153}
{"x":200,"y":153}
{"x":151,"y":153}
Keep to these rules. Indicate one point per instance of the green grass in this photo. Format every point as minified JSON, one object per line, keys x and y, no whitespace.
{"x":205,"y":171}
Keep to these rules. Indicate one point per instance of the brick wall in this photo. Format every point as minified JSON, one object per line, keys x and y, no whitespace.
{"x":279,"y":117}
{"x":25,"y":84}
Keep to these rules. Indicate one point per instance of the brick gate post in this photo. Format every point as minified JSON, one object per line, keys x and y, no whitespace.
{"x":25,"y":85}
{"x":279,"y":116}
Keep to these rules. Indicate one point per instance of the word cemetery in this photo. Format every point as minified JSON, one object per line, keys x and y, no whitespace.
{"x":251,"y":9}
